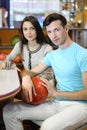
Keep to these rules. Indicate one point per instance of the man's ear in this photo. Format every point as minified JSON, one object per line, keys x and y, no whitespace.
{"x":67,"y":27}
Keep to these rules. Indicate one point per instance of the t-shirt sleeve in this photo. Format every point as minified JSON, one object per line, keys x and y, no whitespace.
{"x":83,"y":65}
{"x":83,"y":62}
{"x":47,"y":59}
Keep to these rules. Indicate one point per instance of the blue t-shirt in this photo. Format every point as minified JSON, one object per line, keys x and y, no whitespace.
{"x":68,"y":64}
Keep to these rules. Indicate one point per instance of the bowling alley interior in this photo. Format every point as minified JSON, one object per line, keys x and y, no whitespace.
{"x":12,"y":12}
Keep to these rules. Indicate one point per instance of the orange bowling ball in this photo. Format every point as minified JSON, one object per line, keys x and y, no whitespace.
{"x":2,"y":56}
{"x":41,"y":91}
{"x":17,"y":59}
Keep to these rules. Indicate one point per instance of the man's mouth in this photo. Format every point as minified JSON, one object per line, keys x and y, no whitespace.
{"x":55,"y":40}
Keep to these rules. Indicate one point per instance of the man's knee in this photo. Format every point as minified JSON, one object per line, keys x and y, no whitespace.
{"x":46,"y":125}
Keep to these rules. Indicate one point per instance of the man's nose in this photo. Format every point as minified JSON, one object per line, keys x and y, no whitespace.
{"x":53,"y":35}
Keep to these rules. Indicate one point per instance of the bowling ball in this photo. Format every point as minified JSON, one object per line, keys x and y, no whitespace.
{"x":41,"y":91}
{"x":17,"y":59}
{"x":14,"y":40}
{"x":2,"y":56}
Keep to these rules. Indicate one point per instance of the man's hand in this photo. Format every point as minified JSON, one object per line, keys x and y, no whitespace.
{"x":50,"y":88}
{"x":28,"y":88}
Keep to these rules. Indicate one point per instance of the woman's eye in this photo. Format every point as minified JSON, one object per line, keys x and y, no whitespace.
{"x":32,"y":28}
{"x":24,"y":28}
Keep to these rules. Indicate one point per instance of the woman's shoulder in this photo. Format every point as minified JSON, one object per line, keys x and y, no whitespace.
{"x":18,"y":44}
{"x":47,"y":46}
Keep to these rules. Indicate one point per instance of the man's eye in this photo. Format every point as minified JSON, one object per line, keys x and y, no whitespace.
{"x":56,"y":29}
{"x":48,"y":31}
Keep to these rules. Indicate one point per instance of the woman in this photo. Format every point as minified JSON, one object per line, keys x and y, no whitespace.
{"x":32,"y":46}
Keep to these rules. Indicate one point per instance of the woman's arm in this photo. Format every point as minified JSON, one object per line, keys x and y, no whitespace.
{"x":15,"y":51}
{"x":27,"y":85}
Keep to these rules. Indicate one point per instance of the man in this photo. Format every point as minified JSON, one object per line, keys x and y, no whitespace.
{"x":68,"y":110}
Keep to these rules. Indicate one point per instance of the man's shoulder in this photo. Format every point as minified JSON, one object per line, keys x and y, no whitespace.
{"x":79,"y":48}
{"x":80,"y":52}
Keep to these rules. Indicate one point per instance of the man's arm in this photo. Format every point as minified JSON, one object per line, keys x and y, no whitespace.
{"x":75,"y":95}
{"x":27,"y":85}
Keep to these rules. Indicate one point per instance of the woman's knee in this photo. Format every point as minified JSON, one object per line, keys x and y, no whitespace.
{"x":7,"y":111}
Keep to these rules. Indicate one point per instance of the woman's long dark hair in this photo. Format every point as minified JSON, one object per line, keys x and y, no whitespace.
{"x":40,"y":35}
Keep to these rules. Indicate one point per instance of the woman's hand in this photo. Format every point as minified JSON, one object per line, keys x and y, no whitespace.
{"x":28,"y":88}
{"x":2,"y":65}
{"x":8,"y":65}
{"x":5,"y":64}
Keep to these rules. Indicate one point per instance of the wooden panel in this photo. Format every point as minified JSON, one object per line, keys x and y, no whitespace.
{"x":6,"y":36}
{"x":6,"y":51}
